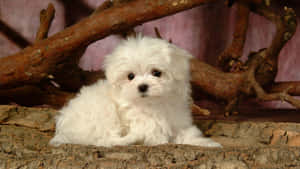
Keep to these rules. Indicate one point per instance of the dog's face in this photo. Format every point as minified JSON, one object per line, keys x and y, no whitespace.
{"x":144,"y":68}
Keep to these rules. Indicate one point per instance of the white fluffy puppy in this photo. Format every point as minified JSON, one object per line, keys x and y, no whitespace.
{"x":145,"y":100}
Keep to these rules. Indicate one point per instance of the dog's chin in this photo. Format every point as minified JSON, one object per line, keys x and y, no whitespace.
{"x":143,"y":95}
{"x":145,"y":98}
{"x":150,"y":99}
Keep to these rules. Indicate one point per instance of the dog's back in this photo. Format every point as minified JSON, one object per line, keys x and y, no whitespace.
{"x":88,"y":118}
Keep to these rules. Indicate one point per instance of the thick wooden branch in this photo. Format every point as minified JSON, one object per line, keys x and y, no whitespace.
{"x":38,"y":61}
{"x":30,"y":95}
{"x":74,"y":78}
{"x":293,"y":88}
{"x":285,"y":28}
{"x":261,"y":67}
{"x":286,"y":25}
{"x":68,"y":75}
{"x":215,"y":82}
{"x":230,"y":57}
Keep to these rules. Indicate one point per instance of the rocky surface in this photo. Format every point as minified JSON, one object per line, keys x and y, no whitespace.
{"x":25,"y":132}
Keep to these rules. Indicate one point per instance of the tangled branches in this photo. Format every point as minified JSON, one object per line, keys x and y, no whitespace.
{"x":43,"y":62}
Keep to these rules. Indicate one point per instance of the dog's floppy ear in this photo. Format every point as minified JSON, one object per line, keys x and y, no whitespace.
{"x":108,"y":66}
{"x":180,"y":63}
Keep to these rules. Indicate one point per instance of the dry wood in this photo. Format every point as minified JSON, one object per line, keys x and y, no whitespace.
{"x":38,"y":61}
{"x":293,"y":88}
{"x":46,"y":17}
{"x":57,"y":56}
{"x":229,"y":59}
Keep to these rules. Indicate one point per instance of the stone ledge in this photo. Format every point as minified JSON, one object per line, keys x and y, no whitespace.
{"x":25,"y":133}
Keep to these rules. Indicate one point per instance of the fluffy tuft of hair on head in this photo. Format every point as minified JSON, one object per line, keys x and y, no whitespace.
{"x":146,"y":50}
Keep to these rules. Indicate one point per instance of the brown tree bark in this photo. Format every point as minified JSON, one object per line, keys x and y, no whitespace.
{"x":47,"y":59}
{"x":229,"y":59}
{"x":36,"y":62}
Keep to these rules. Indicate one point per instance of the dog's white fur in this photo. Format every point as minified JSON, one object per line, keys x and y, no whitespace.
{"x":114,"y":112}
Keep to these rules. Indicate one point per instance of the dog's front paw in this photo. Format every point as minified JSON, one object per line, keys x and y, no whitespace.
{"x":204,"y":142}
{"x":54,"y":142}
{"x":57,"y":141}
{"x":211,"y":143}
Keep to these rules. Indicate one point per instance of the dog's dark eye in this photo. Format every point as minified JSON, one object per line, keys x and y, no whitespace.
{"x":156,"y":73}
{"x":130,"y":76}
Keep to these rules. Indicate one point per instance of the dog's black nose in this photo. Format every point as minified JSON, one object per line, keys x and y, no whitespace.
{"x":143,"y":88}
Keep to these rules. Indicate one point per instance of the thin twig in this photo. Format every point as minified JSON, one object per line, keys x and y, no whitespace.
{"x":46,"y":17}
{"x":199,"y":111}
{"x":157,"y":33}
{"x":105,"y":5}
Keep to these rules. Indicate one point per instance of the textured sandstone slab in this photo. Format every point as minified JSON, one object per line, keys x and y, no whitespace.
{"x":252,"y":133}
{"x":25,"y":132}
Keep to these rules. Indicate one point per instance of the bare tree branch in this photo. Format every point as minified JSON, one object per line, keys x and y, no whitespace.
{"x":38,"y":61}
{"x":46,"y":17}
{"x":230,"y":57}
